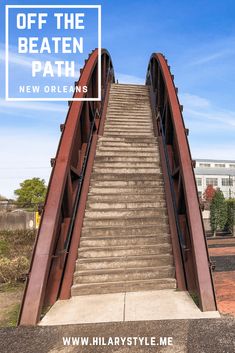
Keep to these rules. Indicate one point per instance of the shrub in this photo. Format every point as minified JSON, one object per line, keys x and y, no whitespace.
{"x":230,"y":215}
{"x":13,"y":269}
{"x":218,"y":212}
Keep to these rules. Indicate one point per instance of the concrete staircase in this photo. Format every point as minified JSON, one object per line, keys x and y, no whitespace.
{"x":125,"y":243}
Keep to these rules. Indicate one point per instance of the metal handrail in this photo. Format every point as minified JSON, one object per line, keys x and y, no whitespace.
{"x":159,"y":118}
{"x":186,"y":221}
{"x":180,"y":236}
{"x":84,"y":164}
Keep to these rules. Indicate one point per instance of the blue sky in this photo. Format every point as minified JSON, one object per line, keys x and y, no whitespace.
{"x":198,"y":39}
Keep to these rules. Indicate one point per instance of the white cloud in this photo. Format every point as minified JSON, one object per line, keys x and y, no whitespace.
{"x":214,"y":151}
{"x":211,"y":57}
{"x":25,"y":61}
{"x":211,"y":128}
{"x":192,"y":100}
{"x":123,"y":78}
{"x":201,"y":109}
{"x":24,"y":153}
{"x":11,"y":107}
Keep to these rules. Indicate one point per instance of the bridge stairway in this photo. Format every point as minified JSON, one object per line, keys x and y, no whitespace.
{"x":125,"y":243}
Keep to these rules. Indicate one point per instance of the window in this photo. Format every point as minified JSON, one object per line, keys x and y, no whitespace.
{"x":227,"y":182}
{"x":212,"y":181}
{"x":199,"y":181}
{"x":204,"y":165}
{"x":231,"y":165}
{"x":219,"y":165}
{"x":199,"y":194}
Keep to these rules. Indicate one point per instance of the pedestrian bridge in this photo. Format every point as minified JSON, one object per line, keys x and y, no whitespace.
{"x":122,"y":212}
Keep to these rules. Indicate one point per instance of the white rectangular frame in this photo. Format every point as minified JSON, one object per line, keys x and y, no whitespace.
{"x":7,"y":7}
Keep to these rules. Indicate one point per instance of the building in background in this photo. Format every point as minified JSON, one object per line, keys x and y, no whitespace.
{"x":219,"y":173}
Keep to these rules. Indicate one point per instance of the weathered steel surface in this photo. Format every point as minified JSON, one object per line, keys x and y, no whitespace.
{"x":56,"y":230}
{"x":180,"y":180}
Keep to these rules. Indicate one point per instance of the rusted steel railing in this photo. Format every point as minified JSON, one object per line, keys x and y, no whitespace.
{"x":66,"y":196}
{"x":191,"y":258}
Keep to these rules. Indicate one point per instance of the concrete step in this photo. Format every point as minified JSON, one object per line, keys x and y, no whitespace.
{"x":123,"y":197}
{"x":120,"y":119}
{"x":119,"y":100}
{"x":127,"y":87}
{"x":120,"y":105}
{"x":124,"y":106}
{"x":129,"y":148}
{"x":124,"y":213}
{"x":122,"y":222}
{"x":138,"y":184}
{"x":122,"y":113}
{"x":128,"y":139}
{"x":127,"y":133}
{"x":129,"y":117}
{"x":125,"y":94}
{"x":129,"y":170}
{"x":128,"y":122}
{"x":124,"y":176}
{"x":115,"y":159}
{"x":135,"y":126}
{"x":126,"y":240}
{"x":128,"y":93}
{"x":132,"y":95}
{"x":92,"y":252}
{"x":127,"y":286}
{"x":125,"y":153}
{"x":122,"y":275}
{"x":128,"y":125}
{"x":130,"y":194}
{"x":124,"y":262}
{"x":128,"y":129}
{"x":141,"y":100}
{"x":124,"y":164}
{"x":130,"y":112}
{"x":114,"y":204}
{"x":128,"y":230}
{"x":133,"y":119}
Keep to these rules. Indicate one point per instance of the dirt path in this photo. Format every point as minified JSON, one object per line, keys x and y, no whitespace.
{"x":10,"y":299}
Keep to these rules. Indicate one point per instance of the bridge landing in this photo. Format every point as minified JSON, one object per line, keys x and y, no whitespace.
{"x":131,"y":306}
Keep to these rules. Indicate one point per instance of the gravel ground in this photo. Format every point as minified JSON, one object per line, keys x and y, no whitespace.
{"x":193,"y":336}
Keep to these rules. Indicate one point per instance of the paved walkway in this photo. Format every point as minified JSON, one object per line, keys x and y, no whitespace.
{"x":131,"y":306}
{"x":192,"y":336}
{"x":222,"y":253}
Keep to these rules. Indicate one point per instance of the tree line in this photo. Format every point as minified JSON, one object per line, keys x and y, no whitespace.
{"x":222,"y":211}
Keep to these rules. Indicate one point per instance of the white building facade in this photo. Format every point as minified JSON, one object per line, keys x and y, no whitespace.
{"x":218,"y":173}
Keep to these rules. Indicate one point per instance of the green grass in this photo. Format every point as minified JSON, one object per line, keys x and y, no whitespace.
{"x":4,"y":247}
{"x":195,"y":298}
{"x":11,"y":316}
{"x":11,"y":287}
